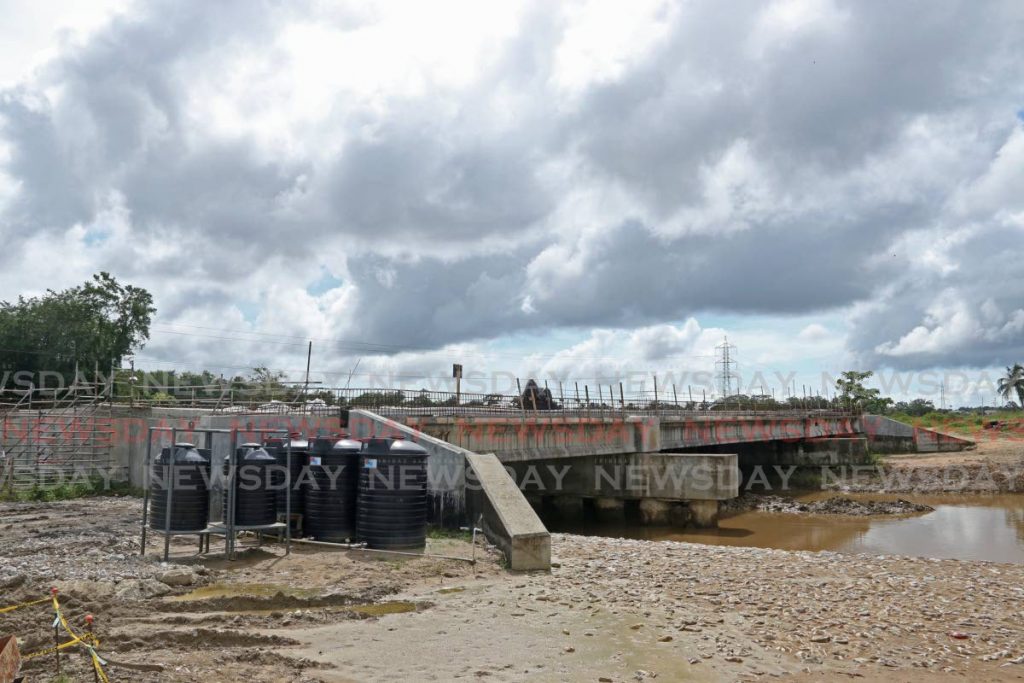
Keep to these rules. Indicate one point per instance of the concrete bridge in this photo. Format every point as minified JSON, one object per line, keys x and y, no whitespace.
{"x":536,"y":436}
{"x":667,"y":467}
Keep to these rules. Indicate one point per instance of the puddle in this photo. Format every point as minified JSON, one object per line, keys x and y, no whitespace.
{"x":446,"y":591}
{"x":264,"y":599}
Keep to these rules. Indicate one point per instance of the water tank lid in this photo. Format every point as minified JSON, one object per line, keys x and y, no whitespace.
{"x":183,"y":453}
{"x":347,"y":446}
{"x":251,"y":455}
{"x":393,"y":447}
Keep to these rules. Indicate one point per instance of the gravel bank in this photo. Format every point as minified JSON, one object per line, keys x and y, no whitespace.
{"x":615,"y":609}
{"x":837,"y":505}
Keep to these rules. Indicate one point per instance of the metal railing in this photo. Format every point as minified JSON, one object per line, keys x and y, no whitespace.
{"x":591,"y":401}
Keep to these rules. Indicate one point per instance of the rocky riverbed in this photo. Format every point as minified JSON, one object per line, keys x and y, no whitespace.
{"x":610,"y":609}
{"x":836,"y":505}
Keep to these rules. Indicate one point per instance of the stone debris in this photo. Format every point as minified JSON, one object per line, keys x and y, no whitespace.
{"x":815,"y":610}
{"x":836,"y":505}
{"x":106,"y":554}
{"x":177,"y":576}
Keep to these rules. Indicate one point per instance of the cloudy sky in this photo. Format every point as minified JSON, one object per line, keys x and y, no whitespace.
{"x":574,"y":190}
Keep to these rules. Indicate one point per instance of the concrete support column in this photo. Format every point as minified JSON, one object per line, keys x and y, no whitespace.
{"x":570,"y":507}
{"x":609,"y":509}
{"x":704,"y":513}
{"x":654,"y":512}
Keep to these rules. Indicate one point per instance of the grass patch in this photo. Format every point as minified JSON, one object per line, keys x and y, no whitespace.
{"x":438,"y":533}
{"x":962,"y":422}
{"x":94,"y":487}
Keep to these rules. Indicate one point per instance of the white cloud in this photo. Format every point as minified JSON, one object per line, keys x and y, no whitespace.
{"x":813,"y":332}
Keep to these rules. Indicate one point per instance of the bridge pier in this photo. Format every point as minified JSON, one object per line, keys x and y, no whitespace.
{"x":609,"y":509}
{"x":704,"y":513}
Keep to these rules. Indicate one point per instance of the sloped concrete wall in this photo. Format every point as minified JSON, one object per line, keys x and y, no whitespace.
{"x":508,"y":519}
{"x":886,"y":435}
{"x":472,"y":484}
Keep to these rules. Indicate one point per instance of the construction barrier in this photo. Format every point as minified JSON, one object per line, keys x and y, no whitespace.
{"x":85,"y":640}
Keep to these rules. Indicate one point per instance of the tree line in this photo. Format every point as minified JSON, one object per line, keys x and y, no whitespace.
{"x":98,"y":324}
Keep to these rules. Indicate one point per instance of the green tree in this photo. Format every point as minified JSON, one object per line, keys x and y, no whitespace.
{"x":98,"y":322}
{"x":916,"y":408}
{"x":854,"y":394}
{"x":1012,"y":384}
{"x":264,"y":384}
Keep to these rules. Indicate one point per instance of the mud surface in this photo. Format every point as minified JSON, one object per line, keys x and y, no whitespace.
{"x":196,"y":618}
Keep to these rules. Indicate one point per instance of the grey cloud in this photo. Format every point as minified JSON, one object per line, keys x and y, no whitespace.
{"x":989,"y":285}
{"x":437,"y":175}
{"x":423,"y":179}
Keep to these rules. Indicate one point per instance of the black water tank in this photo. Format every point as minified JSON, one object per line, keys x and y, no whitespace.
{"x":255,"y":495}
{"x":299,"y":463}
{"x":331,"y":494}
{"x":189,"y":474}
{"x":392,"y":505}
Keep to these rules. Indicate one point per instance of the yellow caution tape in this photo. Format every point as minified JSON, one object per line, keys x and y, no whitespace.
{"x":24,"y":604}
{"x":97,"y":664}
{"x":51,"y":650}
{"x":87,"y":640}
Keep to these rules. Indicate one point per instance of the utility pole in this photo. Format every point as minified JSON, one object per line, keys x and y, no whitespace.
{"x":309,"y":358}
{"x":457,"y":376}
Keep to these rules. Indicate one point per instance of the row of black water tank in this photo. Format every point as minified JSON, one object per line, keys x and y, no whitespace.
{"x":372,"y":491}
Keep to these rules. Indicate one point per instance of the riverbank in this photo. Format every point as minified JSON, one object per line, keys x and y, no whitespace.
{"x":995,"y":465}
{"x":614,"y":609}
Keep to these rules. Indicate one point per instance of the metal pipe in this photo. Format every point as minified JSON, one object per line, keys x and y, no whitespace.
{"x":170,"y":495}
{"x":288,"y":496}
{"x":229,"y":538}
{"x":145,"y":484}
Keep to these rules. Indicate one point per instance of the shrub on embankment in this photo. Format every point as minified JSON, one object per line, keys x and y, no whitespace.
{"x":68,"y":491}
{"x":964,"y":423}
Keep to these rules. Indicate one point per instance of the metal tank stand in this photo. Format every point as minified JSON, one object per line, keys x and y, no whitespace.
{"x":227,"y":528}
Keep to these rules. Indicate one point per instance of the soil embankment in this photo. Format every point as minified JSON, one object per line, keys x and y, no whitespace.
{"x":996,"y":465}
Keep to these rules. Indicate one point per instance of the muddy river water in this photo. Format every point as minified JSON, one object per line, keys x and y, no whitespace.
{"x":963,"y":527}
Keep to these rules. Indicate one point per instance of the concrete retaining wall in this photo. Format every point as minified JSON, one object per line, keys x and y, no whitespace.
{"x":886,"y":435}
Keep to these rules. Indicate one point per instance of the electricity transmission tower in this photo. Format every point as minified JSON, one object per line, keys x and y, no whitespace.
{"x":724,"y":365}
